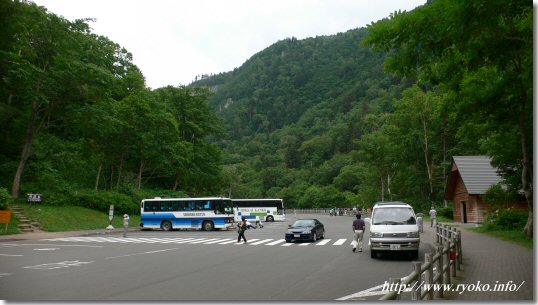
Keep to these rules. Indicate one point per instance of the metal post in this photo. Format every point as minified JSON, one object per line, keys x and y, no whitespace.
{"x":428,"y":275}
{"x":417,"y":267}
{"x":460,"y":251}
{"x":452,"y":249}
{"x":446,"y":274}
{"x":125,"y":224}
{"x":440,"y":269}
{"x":395,"y":283}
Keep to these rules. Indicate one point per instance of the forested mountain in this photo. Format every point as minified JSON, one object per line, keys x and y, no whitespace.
{"x":326,"y":122}
{"x":296,"y":113}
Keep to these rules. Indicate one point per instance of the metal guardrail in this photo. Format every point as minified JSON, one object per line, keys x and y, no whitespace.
{"x":319,"y":211}
{"x":438,"y":267}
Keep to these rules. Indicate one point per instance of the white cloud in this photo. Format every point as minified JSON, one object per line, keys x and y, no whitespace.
{"x":174,"y":40}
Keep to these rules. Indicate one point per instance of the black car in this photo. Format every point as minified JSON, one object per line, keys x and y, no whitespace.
{"x":305,"y":229}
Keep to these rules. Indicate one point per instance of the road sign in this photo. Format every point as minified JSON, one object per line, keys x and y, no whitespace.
{"x":5,"y":216}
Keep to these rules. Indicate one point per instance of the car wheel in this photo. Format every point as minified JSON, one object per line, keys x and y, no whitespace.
{"x":166,"y":225}
{"x":208,"y":226}
{"x":314,"y":237}
{"x":322,"y":236}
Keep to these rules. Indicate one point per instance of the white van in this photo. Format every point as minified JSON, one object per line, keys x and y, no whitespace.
{"x":393,"y":227}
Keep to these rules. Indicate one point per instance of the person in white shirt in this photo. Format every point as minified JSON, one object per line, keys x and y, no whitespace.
{"x":433,"y":216}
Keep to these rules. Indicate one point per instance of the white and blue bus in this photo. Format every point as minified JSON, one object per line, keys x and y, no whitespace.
{"x":208,"y":213}
{"x":259,"y":209}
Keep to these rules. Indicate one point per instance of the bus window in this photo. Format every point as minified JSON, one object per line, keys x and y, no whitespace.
{"x":174,"y":206}
{"x":207,"y":205}
{"x":188,"y":206}
{"x":155,"y":206}
{"x":199,"y":205}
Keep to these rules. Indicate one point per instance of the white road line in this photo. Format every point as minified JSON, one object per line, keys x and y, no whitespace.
{"x":262,"y":241}
{"x":340,"y":242}
{"x":287,"y":245}
{"x":276,"y":242}
{"x":203,"y":240}
{"x":218,"y":241}
{"x":323,"y":242}
{"x":89,"y":246}
{"x":364,"y":293}
{"x":11,"y":254}
{"x":248,"y":241}
{"x":140,"y":253}
{"x":228,"y":242}
{"x":304,"y":244}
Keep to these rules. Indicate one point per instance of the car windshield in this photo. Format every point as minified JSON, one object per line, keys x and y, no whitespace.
{"x":303,"y":223}
{"x":393,"y":216}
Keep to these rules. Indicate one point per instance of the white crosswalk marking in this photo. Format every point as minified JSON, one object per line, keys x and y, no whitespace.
{"x":276,"y":242}
{"x":203,"y":240}
{"x":339,"y":242}
{"x":228,"y":242}
{"x":261,"y":241}
{"x":248,"y":241}
{"x":323,"y":242}
{"x":192,"y":240}
{"x":218,"y":241}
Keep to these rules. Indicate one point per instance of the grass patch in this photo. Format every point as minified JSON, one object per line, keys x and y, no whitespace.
{"x":516,"y":236}
{"x":74,"y":218}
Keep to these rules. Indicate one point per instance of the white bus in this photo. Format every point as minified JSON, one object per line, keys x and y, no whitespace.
{"x":208,"y":213}
{"x":259,"y":209}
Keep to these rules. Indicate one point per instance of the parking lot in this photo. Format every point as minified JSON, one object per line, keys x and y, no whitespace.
{"x":194,"y":266}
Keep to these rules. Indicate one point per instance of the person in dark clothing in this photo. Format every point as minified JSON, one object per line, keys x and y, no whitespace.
{"x":242,"y":227}
{"x":358,"y":231}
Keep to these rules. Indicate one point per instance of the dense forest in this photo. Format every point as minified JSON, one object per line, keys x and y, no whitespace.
{"x":345,"y":120}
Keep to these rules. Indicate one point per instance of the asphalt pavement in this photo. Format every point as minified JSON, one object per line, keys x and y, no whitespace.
{"x":501,"y":265}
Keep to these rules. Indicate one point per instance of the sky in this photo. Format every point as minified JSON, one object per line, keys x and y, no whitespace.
{"x":172,"y":41}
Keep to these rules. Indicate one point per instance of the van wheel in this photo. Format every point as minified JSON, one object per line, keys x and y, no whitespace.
{"x":269,"y":219}
{"x":414,"y":255}
{"x":208,"y":226}
{"x":373,"y":254}
{"x":166,"y":225}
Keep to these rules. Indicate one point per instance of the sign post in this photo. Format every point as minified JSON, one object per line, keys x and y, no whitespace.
{"x":110,"y":217}
{"x":34,"y":198}
{"x":5,"y":217}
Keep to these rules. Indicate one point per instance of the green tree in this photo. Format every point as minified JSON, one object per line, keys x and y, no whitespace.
{"x":482,"y":53}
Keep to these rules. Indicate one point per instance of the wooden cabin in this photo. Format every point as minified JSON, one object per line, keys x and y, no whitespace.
{"x":470,"y":178}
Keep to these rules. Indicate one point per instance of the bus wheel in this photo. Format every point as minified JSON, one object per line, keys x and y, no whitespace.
{"x":208,"y":226}
{"x":166,"y":225}
{"x":270,"y":219}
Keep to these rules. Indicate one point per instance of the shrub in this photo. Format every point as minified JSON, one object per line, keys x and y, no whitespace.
{"x":101,"y":201}
{"x":5,"y":198}
{"x":447,"y":212}
{"x":505,"y":220}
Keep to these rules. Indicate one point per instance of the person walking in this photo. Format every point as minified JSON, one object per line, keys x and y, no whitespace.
{"x":358,"y":231}
{"x":433,"y":216}
{"x":242,"y":227}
